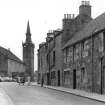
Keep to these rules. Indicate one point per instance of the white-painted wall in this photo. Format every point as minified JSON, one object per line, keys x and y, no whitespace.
{"x":14,"y":66}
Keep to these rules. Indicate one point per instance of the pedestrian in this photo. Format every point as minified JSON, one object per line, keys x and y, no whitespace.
{"x":42,"y":82}
{"x":19,"y":80}
{"x":23,"y":80}
{"x":29,"y":80}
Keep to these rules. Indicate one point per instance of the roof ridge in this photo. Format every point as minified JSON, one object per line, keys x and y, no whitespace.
{"x":9,"y":54}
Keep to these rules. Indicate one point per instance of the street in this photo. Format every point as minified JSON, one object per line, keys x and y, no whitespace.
{"x":35,"y":95}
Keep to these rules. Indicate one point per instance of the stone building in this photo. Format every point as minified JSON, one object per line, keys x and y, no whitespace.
{"x":55,"y":58}
{"x":71,"y":26}
{"x":80,"y":54}
{"x":83,"y":57}
{"x":50,"y":59}
{"x":28,"y":53}
{"x":42,"y":64}
{"x":10,"y":64}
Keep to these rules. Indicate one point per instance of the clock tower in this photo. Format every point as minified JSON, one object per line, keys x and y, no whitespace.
{"x":28,"y":53}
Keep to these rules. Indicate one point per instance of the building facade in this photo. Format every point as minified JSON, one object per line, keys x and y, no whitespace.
{"x":86,"y":52}
{"x":28,"y":53}
{"x":10,"y":64}
{"x":42,"y":64}
{"x":71,"y":26}
{"x":77,"y":52}
{"x":50,"y":59}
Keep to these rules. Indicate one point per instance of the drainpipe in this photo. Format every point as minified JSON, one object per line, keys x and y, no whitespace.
{"x":92,"y":49}
{"x":92,"y":64}
{"x":102,"y":73}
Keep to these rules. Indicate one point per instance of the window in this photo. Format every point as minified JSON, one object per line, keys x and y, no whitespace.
{"x":71,"y":55}
{"x":64,"y":56}
{"x":87,"y":47}
{"x":66,"y":77}
{"x":77,"y":51}
{"x":104,"y":40}
{"x":82,"y":74}
{"x":82,"y":48}
{"x":98,"y":42}
{"x":41,"y":62}
{"x":47,"y":59}
{"x":52,"y":74}
{"x":38,"y":62}
{"x":53,"y":57}
{"x":68,"y":55}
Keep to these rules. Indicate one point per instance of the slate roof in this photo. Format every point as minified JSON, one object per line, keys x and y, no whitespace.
{"x":92,"y":27}
{"x":9,"y":54}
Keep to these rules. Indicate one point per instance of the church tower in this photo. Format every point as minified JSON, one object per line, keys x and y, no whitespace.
{"x":28,"y":53}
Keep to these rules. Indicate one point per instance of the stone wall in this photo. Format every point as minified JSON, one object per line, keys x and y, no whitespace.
{"x":87,"y":62}
{"x":14,"y":66}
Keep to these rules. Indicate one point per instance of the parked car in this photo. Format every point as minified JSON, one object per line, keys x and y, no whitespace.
{"x":0,"y":79}
{"x":5,"y":79}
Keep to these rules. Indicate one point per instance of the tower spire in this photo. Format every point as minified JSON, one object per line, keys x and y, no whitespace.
{"x":28,"y":53}
{"x":28,"y":33}
{"x":28,"y":28}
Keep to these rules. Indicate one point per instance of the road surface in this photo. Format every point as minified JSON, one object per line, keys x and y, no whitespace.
{"x":35,"y":95}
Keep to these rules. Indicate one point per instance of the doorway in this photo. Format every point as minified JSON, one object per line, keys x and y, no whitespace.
{"x":58,"y":77}
{"x":74,"y":79}
{"x":48,"y":79}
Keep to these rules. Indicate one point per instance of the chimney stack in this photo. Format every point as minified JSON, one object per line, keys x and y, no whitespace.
{"x":67,"y":20}
{"x":85,"y":8}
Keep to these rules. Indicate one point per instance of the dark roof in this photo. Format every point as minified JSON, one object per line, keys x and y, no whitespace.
{"x":58,"y":32}
{"x":55,"y":33}
{"x":92,"y":27}
{"x":9,"y":54}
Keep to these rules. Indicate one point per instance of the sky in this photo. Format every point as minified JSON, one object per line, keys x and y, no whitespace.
{"x":43,"y":15}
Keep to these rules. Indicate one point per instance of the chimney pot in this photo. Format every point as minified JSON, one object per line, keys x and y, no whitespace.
{"x":85,"y":8}
{"x":64,"y":16}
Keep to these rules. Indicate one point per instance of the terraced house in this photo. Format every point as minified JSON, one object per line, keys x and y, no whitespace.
{"x":41,"y":59}
{"x":83,"y":45}
{"x":50,"y":59}
{"x":84,"y":64}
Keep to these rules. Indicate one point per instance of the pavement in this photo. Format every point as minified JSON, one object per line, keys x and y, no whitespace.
{"x":92,"y":96}
{"x":4,"y":98}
